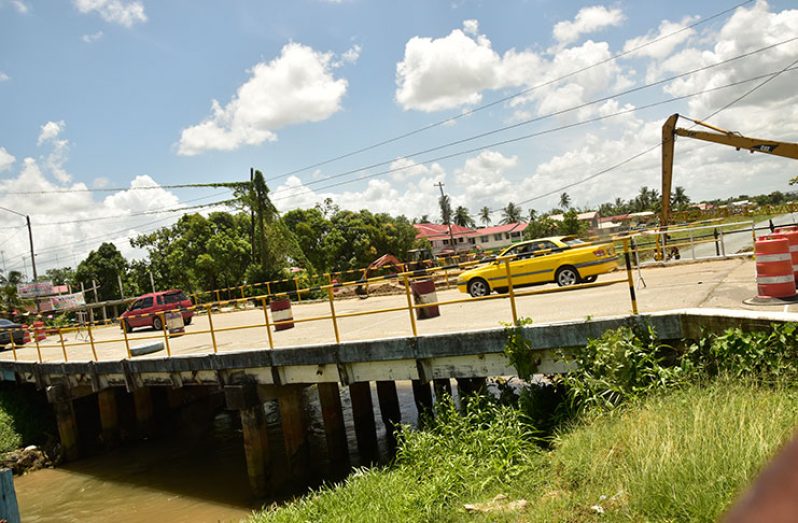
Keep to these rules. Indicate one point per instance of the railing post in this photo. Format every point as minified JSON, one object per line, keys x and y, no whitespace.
{"x":717,"y":247}
{"x":296,"y":286}
{"x":268,"y":288}
{"x":213,"y":334}
{"x":218,"y":296}
{"x":123,"y":324}
{"x":91,"y":341}
{"x":410,"y":306}
{"x":511,"y":291}
{"x":14,"y":345}
{"x":36,"y":340}
{"x":63,"y":345}
{"x":629,"y":276}
{"x":242,"y":292}
{"x":332,"y":313}
{"x":165,"y":330}
{"x":692,"y":245}
{"x":722,"y":244}
{"x":268,"y":327}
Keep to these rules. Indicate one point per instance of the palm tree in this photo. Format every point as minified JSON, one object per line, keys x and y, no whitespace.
{"x":484,"y":216}
{"x":462,"y":217}
{"x":446,"y":209}
{"x":679,"y":198}
{"x":533,"y":215}
{"x":9,"y":299}
{"x":511,"y":213}
{"x":565,"y":201}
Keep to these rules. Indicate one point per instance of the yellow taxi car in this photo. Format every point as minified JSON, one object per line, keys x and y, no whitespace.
{"x":564,"y":260}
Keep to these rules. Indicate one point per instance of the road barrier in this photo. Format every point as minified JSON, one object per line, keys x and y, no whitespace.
{"x":774,"y":272}
{"x":792,"y":239}
{"x":277,"y":313}
{"x":424,"y":293}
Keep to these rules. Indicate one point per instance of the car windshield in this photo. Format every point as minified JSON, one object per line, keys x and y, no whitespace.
{"x":176,"y":297}
{"x":572,"y":241}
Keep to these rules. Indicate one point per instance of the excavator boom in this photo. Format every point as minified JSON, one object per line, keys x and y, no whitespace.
{"x":721,"y":136}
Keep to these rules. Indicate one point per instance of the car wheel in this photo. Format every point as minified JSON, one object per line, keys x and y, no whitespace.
{"x":126,"y":326}
{"x":156,"y":323}
{"x":566,"y":276}
{"x":187,"y":321}
{"x":478,"y":287}
{"x":589,"y":279}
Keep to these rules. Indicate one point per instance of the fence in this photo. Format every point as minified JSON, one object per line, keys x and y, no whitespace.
{"x":211,"y":310}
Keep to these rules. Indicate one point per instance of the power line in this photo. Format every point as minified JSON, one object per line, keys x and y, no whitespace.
{"x":542,"y":117}
{"x":540,"y":133}
{"x":512,"y":96}
{"x":770,"y":78}
{"x":228,"y":185}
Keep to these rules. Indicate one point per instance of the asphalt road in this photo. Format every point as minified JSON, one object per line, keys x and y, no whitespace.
{"x":736,"y":240}
{"x":719,"y":283}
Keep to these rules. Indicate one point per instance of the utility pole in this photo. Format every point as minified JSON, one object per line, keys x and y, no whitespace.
{"x":30,"y":237}
{"x":251,"y":217}
{"x":439,"y":185}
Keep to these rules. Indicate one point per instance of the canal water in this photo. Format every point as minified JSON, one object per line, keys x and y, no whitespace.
{"x":195,"y":474}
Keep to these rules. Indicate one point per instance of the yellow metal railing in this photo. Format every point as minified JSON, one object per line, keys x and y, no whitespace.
{"x":211,"y":310}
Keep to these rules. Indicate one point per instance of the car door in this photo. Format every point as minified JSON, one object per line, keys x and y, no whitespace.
{"x":541,"y":266}
{"x":520,"y":266}
{"x":147,"y":312}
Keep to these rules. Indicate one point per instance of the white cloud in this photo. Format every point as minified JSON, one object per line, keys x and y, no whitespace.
{"x":587,"y":20}
{"x":50,"y":131}
{"x":4,"y":77}
{"x":20,"y":6}
{"x":672,"y":35}
{"x":471,"y":27}
{"x":404,"y":168}
{"x":91,"y":38}
{"x":296,"y":87}
{"x":115,"y":11}
{"x":6,"y":159}
{"x":483,"y":182}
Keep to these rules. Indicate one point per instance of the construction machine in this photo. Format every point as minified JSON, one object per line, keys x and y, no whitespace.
{"x":716,"y":135}
{"x":417,"y":259}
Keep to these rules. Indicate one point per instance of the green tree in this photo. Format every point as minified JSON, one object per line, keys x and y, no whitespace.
{"x":679,"y":199}
{"x":102,"y":267}
{"x":9,"y":298}
{"x":484,"y":216}
{"x":446,"y":209}
{"x":60,"y":276}
{"x":463,"y":218}
{"x":511,"y":213}
{"x":565,"y":201}
{"x":533,"y":215}
{"x":571,"y":225}
{"x":540,"y":228}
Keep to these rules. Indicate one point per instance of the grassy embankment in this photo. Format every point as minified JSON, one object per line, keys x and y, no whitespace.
{"x":644,"y":432}
{"x":25,"y":419}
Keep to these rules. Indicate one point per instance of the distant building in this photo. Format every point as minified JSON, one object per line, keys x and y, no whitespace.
{"x":498,"y":236}
{"x":467,"y":239}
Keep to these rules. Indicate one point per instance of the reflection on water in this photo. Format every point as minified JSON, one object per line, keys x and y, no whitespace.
{"x":189,"y":476}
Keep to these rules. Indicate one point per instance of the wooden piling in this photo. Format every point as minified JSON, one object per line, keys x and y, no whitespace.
{"x":365,"y":427}
{"x":67,"y":428}
{"x":295,"y":436}
{"x":390,"y":412}
{"x":145,"y":413}
{"x":334,"y":428}
{"x":9,"y":509}
{"x":256,"y":448}
{"x":109,"y":417}
{"x":422,"y":395}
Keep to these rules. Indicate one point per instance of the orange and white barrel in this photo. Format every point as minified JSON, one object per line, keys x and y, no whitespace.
{"x":792,"y":237}
{"x":39,"y":332}
{"x":424,"y":292}
{"x":786,"y":228}
{"x":774,"y":273}
{"x":25,"y":333}
{"x":281,"y":312}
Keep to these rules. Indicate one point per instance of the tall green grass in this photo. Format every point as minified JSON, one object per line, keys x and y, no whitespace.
{"x":25,"y":418}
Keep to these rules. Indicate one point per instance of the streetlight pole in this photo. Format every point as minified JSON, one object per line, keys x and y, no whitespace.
{"x":30,"y":237}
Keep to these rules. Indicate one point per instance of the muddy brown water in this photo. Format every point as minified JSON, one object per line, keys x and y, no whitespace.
{"x":192,"y":475}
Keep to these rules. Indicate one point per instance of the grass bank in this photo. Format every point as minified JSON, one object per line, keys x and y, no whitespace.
{"x":642,"y":431}
{"x":680,"y":456}
{"x":25,"y":418}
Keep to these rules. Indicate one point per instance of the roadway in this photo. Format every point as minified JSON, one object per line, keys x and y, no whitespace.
{"x":718,"y":283}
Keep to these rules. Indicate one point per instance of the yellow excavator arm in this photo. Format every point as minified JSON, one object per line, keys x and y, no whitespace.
{"x":721,"y":136}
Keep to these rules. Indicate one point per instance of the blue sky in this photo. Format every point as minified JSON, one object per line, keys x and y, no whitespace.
{"x":120,"y":93}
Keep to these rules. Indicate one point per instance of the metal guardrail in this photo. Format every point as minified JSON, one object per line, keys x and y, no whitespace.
{"x":512,"y":295}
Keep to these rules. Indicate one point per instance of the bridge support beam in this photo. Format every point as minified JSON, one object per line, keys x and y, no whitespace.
{"x":390,"y":411}
{"x":109,"y":417}
{"x":295,"y":436}
{"x":244,"y":399}
{"x":334,"y":428}
{"x":365,"y":427}
{"x":442,"y":388}
{"x":59,"y":395}
{"x":422,"y":395}
{"x":145,"y":413}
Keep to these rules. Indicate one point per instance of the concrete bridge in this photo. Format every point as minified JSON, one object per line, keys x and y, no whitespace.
{"x":244,"y":380}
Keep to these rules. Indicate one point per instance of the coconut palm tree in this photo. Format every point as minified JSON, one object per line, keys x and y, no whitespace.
{"x":462,"y":217}
{"x":565,"y":201}
{"x":511,"y":213}
{"x":679,"y":198}
{"x":533,"y":215}
{"x":484,"y":216}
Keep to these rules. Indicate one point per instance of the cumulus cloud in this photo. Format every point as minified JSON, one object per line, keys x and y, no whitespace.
{"x":91,"y":38}
{"x":50,"y":131}
{"x":670,"y":35}
{"x":114,"y":11}
{"x":483,"y":179}
{"x":587,"y":20}
{"x":6,"y":159}
{"x":59,"y":152}
{"x":296,"y":87}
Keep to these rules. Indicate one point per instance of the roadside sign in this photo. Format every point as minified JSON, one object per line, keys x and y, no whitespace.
{"x":35,"y":290}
